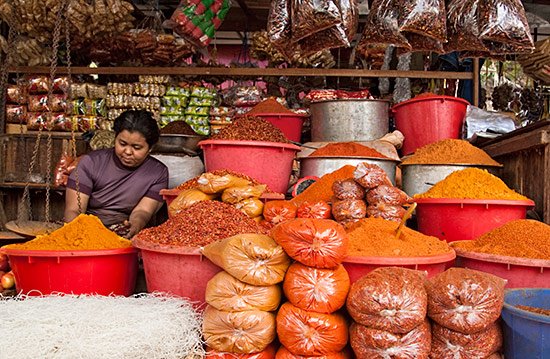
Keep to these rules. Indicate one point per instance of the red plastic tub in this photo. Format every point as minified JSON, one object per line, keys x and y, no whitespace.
{"x":427,"y":120}
{"x":177,"y":270}
{"x":359,"y":266}
{"x":103,"y":272}
{"x":266,"y":162}
{"x":290,"y":124}
{"x":519,"y":272}
{"x":461,"y":219}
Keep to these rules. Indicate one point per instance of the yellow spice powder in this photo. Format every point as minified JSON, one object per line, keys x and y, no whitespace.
{"x":450,"y":151}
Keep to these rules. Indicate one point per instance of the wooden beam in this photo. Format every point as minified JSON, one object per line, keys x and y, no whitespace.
{"x":518,"y":143}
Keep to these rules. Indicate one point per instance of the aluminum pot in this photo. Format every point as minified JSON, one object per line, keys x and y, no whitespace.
{"x":349,"y":120}
{"x":419,"y":178}
{"x":319,"y":166}
{"x":174,"y":143}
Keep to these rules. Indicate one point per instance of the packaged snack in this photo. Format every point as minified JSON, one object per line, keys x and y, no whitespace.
{"x":16,"y":114}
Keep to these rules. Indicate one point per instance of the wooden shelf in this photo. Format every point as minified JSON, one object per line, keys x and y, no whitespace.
{"x":259,"y":72}
{"x":37,"y":186}
{"x":44,"y":135}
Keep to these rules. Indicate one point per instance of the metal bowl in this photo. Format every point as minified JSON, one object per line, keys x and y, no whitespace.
{"x":178,"y":144}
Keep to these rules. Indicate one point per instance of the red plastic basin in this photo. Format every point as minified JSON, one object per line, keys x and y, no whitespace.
{"x":290,"y":124}
{"x":181,"y":271}
{"x":266,"y":162}
{"x":103,"y":272}
{"x":359,"y":266}
{"x":519,"y":272}
{"x":427,"y":120}
{"x":461,"y":219}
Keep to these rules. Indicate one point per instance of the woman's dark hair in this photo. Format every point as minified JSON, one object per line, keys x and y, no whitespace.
{"x":138,"y":121}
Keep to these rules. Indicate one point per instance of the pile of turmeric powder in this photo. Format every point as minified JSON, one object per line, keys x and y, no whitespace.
{"x":450,"y":151}
{"x":85,"y":232}
{"x":375,"y":237}
{"x":472,"y":183}
{"x":523,"y":238}
{"x":321,"y":190}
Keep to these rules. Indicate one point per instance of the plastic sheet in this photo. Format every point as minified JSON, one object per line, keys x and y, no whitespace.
{"x":349,"y":209}
{"x":369,"y":343}
{"x":348,"y":189}
{"x":424,"y":17}
{"x":238,"y":332}
{"x":276,"y":212}
{"x":251,"y":258}
{"x":450,"y":344}
{"x":319,"y":210}
{"x":308,"y":333}
{"x":227,"y":293}
{"x":462,"y":26}
{"x":392,"y":299}
{"x":317,"y":290}
{"x":319,"y":243}
{"x":382,"y":25}
{"x":389,"y":195}
{"x":486,"y":124}
{"x":465,"y":300}
{"x":370,"y":176}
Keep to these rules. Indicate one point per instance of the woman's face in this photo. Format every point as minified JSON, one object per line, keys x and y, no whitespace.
{"x":131,"y":148}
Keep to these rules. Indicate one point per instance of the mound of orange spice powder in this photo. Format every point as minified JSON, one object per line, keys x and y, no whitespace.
{"x":525,"y":238}
{"x":375,"y":237}
{"x":450,"y":151}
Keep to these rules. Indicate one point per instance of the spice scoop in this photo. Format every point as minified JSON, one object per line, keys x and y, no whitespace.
{"x":302,"y":145}
{"x":406,"y":216}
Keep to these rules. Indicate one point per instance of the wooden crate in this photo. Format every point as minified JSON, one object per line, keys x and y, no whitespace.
{"x":525,"y":154}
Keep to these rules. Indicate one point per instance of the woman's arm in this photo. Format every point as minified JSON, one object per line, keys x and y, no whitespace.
{"x":71,"y":204}
{"x":141,"y":214}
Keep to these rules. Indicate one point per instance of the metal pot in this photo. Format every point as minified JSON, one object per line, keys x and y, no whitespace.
{"x":319,"y":166}
{"x":169,"y":143}
{"x":349,"y":120}
{"x":419,"y":178}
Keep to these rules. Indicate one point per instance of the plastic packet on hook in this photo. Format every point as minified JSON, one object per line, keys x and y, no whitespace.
{"x":16,"y":114}
{"x":278,"y":23}
{"x":421,"y":43}
{"x":424,"y":17}
{"x":463,"y":26}
{"x":382,"y":25}
{"x":16,"y":94}
{"x":312,"y":16}
{"x":39,"y":103}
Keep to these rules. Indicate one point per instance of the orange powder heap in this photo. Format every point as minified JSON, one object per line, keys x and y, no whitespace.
{"x":85,"y":232}
{"x":346,"y":149}
{"x":269,"y":106}
{"x":523,"y":238}
{"x":450,"y":151}
{"x":321,"y":190}
{"x":375,"y":237}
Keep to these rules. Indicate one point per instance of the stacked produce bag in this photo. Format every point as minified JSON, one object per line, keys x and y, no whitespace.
{"x":142,"y":95}
{"x":316,"y":286}
{"x":16,"y":104}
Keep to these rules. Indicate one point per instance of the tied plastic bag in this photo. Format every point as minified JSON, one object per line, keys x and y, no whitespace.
{"x":267,"y":353}
{"x":238,"y":332}
{"x":349,"y":210}
{"x":251,"y":258}
{"x":309,"y":333}
{"x":252,"y":207}
{"x":348,"y":189}
{"x":311,"y":16}
{"x":424,"y":17}
{"x":284,"y":353}
{"x":369,"y":343}
{"x":319,"y":210}
{"x":462,"y":26}
{"x":319,"y":243}
{"x":447,"y":343}
{"x":63,"y":169}
{"x":227,"y":293}
{"x":236,"y":194}
{"x":186,"y":199}
{"x":390,"y":298}
{"x":276,"y":212}
{"x":382,"y":25}
{"x":278,"y":23}
{"x":465,"y":300}
{"x":386,"y":211}
{"x":370,"y":176}
{"x":388,"y":195}
{"x":210,"y":183}
{"x":317,"y":290}
{"x":422,"y":43}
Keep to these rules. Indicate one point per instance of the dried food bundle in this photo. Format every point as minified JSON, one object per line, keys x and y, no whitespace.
{"x":465,"y":300}
{"x":447,"y":343}
{"x":382,"y":25}
{"x":251,"y":258}
{"x":424,"y":17}
{"x":276,"y":212}
{"x":370,"y":176}
{"x":309,"y":333}
{"x":347,"y":189}
{"x":315,"y":289}
{"x":311,"y":16}
{"x":319,"y":243}
{"x":227,"y":293}
{"x":392,"y":299}
{"x":388,"y":195}
{"x":284,"y":353}
{"x":348,"y":210}
{"x":238,"y":332}
{"x":369,"y":343}
{"x":463,"y":26}
{"x":318,"y":209}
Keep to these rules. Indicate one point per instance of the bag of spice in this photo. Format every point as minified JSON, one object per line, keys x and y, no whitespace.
{"x":315,"y":289}
{"x":252,"y":207}
{"x":278,"y":24}
{"x":211,"y":183}
{"x":319,"y":210}
{"x":348,"y":209}
{"x":284,"y":353}
{"x":392,"y":299}
{"x":424,"y":17}
{"x":236,"y":194}
{"x":238,"y":332}
{"x":447,"y":343}
{"x":462,"y":26}
{"x":382,"y":24}
{"x":251,"y":258}
{"x":276,"y":212}
{"x":379,"y":344}
{"x":386,"y":211}
{"x":312,"y":16}
{"x":388,"y":195}
{"x":267,"y":353}
{"x":295,"y":325}
{"x":187,"y":198}
{"x":319,"y":243}
{"x":347,"y":189}
{"x":227,"y":293}
{"x":465,"y":300}
{"x":370,"y":176}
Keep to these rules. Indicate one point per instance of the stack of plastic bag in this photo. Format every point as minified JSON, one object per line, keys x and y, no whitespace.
{"x":316,"y":286}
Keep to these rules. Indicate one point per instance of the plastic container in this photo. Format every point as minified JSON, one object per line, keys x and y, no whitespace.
{"x":103,"y":272}
{"x":290,"y":124}
{"x":359,"y":266}
{"x":427,"y":120}
{"x":462,"y":219}
{"x":176,"y":270}
{"x":266,"y":162}
{"x":526,"y":334}
{"x":519,"y":272}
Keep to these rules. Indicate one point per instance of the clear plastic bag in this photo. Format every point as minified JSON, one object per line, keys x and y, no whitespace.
{"x":295,"y":327}
{"x":312,"y":16}
{"x":465,"y":300}
{"x":227,"y":293}
{"x":462,"y":26}
{"x":252,"y":207}
{"x":348,"y":189}
{"x":424,"y":17}
{"x":236,"y":194}
{"x":284,"y":353}
{"x":319,"y":243}
{"x":382,"y":25}
{"x":370,"y":176}
{"x":447,"y":343}
{"x":187,"y":198}
{"x":316,"y":290}
{"x":238,"y":332}
{"x":422,"y":43}
{"x":392,"y":299}
{"x":349,"y":209}
{"x":210,"y":183}
{"x":278,"y":23}
{"x":386,"y":211}
{"x":267,"y":353}
{"x":276,"y":212}
{"x":388,"y":195}
{"x":369,"y":343}
{"x":319,"y":210}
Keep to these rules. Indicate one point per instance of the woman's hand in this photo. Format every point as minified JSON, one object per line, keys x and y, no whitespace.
{"x":141,"y":214}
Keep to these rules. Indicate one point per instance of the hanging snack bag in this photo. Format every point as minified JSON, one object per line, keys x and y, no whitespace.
{"x":38,"y":85}
{"x":447,"y":343}
{"x":382,"y":25}
{"x":311,"y":16}
{"x":278,"y":24}
{"x":39,"y":103}
{"x":319,"y":210}
{"x":15,"y":94}
{"x":462,"y":26}
{"x":424,"y":17}
{"x":16,"y":114}
{"x":422,"y":43}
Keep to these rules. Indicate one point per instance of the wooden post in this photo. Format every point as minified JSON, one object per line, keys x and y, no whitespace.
{"x":476,"y":82}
